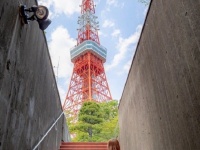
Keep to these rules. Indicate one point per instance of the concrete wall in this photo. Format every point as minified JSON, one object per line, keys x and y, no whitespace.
{"x":160,"y":105}
{"x":29,"y":99}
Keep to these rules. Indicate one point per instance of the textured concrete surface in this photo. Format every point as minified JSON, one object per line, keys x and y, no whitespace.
{"x":160,"y":105}
{"x":29,"y":99}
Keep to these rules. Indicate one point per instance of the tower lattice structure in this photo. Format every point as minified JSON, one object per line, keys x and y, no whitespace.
{"x":88,"y":80}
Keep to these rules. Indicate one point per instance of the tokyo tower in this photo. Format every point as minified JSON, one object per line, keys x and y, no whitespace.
{"x":88,"y":80}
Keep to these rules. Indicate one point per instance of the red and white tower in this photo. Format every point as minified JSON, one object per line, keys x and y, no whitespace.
{"x":88,"y":81}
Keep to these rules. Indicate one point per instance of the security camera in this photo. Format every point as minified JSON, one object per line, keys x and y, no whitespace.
{"x":40,"y":14}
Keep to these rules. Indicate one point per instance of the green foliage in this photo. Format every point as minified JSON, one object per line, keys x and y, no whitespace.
{"x":109,"y":109}
{"x":110,"y":124}
{"x":89,"y":117}
{"x":90,"y":113}
{"x":96,"y":122}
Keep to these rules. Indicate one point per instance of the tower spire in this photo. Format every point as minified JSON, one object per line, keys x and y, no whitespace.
{"x":88,"y":25}
{"x":88,"y":81}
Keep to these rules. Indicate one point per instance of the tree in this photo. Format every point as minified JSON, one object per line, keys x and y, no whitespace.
{"x":86,"y":128}
{"x":109,"y":109}
{"x":96,"y":122}
{"x":110,"y":124}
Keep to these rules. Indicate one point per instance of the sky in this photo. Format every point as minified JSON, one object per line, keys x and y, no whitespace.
{"x":120,"y":23}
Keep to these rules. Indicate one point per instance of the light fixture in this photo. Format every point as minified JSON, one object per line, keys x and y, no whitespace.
{"x":40,"y":14}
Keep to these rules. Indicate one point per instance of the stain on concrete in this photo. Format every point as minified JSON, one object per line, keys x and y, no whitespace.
{"x":31,"y":106}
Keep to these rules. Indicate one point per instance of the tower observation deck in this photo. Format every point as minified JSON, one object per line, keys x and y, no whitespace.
{"x":88,"y":80}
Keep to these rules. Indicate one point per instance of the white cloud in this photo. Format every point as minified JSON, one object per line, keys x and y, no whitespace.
{"x":114,"y":3}
{"x":67,"y":7}
{"x":116,"y":33}
{"x":97,"y":2}
{"x":59,"y":47}
{"x":127,"y":66}
{"x":108,"y":23}
{"x":46,"y":3}
{"x":100,"y":33}
{"x":111,"y":2}
{"x":62,"y":94}
{"x":145,"y":11}
{"x":123,"y":46}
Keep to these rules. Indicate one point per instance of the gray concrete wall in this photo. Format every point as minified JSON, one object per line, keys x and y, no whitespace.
{"x":29,"y":99}
{"x":160,"y":105}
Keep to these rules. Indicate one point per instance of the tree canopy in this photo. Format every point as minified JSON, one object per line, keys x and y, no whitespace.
{"x":96,"y":122}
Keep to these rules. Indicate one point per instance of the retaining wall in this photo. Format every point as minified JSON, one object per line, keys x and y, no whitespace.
{"x":29,"y":99}
{"x":160,"y":104}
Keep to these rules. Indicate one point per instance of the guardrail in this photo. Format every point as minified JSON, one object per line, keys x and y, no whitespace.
{"x":48,"y":131}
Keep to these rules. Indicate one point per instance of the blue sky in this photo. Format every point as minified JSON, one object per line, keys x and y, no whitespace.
{"x":120,"y":24}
